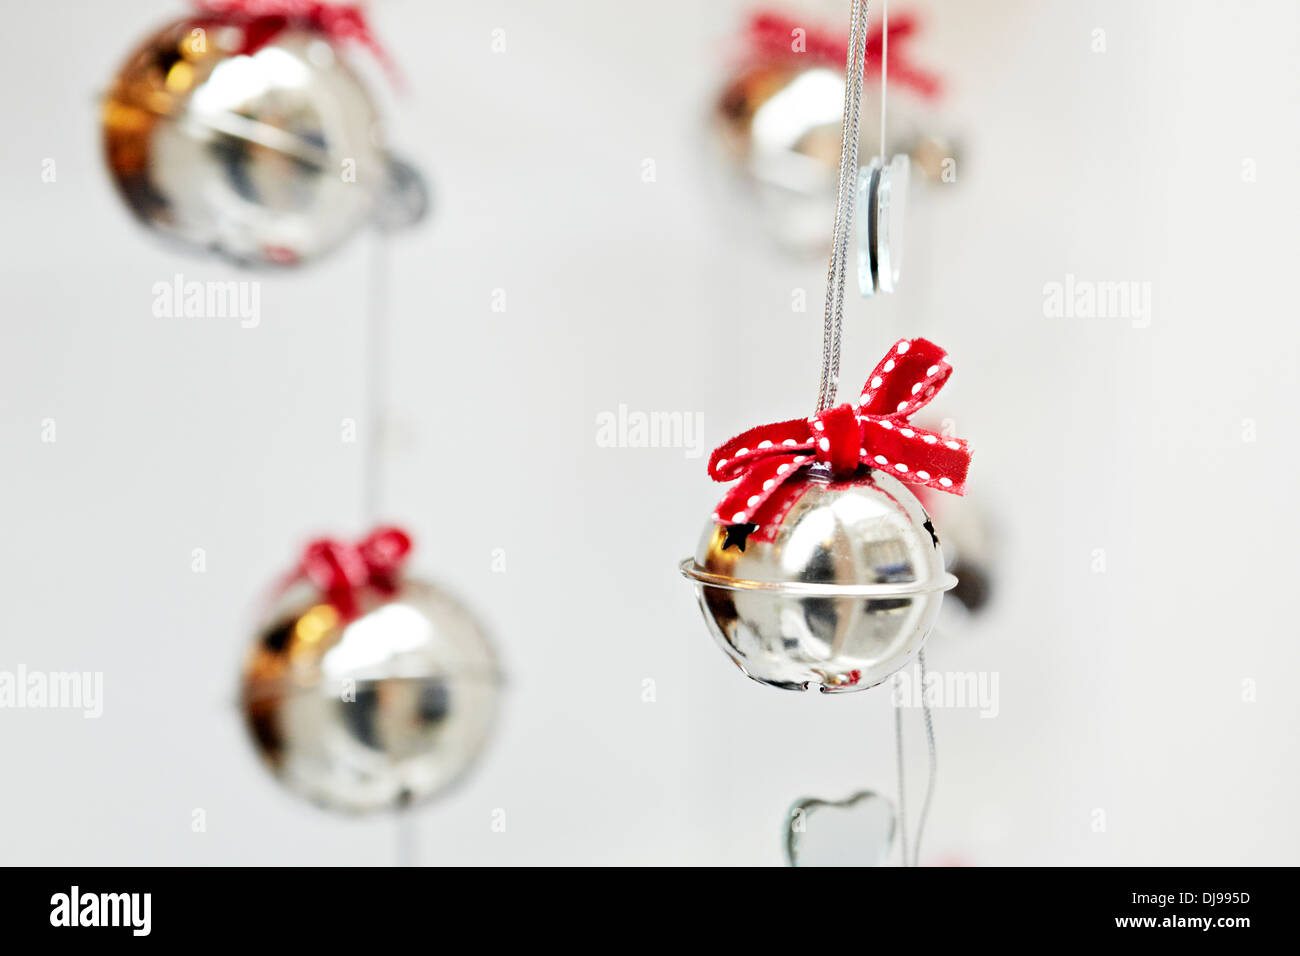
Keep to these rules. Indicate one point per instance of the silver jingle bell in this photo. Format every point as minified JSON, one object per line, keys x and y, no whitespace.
{"x":840,"y":593}
{"x":379,"y":711}
{"x":271,"y":157}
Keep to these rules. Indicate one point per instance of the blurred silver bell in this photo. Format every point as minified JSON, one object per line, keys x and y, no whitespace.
{"x":780,"y":125}
{"x":382,"y":710}
{"x":272,"y":157}
{"x":840,"y":593}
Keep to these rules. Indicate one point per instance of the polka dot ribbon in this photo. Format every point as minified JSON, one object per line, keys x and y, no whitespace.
{"x":264,"y":20}
{"x":772,"y":36}
{"x":341,"y":569}
{"x":874,"y":433}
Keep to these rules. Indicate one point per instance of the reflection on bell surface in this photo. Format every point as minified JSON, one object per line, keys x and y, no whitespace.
{"x":386,"y":709}
{"x":269,"y":157}
{"x":840,"y":592}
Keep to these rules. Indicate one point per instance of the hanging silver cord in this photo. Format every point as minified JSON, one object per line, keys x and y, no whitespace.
{"x":934,"y":762}
{"x":902,"y":789}
{"x":911,"y":849}
{"x":837,"y":270}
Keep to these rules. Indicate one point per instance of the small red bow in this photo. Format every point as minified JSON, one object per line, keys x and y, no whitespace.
{"x":876,"y":433}
{"x":771,"y":36}
{"x":263,"y":20}
{"x":341,"y":569}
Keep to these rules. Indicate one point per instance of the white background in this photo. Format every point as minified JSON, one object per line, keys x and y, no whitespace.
{"x":1120,"y":692}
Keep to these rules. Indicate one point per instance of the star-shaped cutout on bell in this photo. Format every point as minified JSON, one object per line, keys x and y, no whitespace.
{"x":929,"y":526}
{"x":737,"y":535}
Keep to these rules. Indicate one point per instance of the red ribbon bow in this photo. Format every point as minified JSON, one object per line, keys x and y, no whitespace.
{"x":263,"y":20}
{"x":771,"y":36}
{"x":876,"y":433}
{"x":340,"y":569}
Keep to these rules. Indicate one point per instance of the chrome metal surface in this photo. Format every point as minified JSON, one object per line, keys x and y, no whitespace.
{"x":813,"y":589}
{"x":379,"y":712}
{"x":273,"y":158}
{"x":868,"y":183}
{"x":858,"y":831}
{"x":882,"y":199}
{"x":891,"y":202}
{"x":850,"y":583}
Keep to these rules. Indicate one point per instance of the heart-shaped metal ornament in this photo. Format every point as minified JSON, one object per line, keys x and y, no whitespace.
{"x":857,"y":831}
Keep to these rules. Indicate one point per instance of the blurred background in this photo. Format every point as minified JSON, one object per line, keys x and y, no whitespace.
{"x":1137,"y":473}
